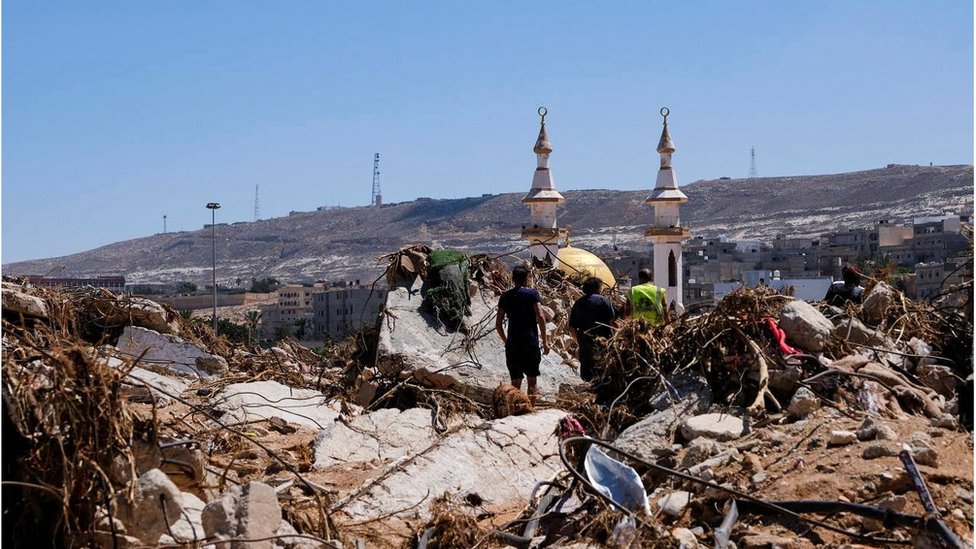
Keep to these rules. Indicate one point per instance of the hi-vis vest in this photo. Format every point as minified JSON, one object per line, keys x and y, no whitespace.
{"x":647,"y":302}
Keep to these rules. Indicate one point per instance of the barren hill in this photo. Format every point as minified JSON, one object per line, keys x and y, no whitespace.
{"x":343,"y":243}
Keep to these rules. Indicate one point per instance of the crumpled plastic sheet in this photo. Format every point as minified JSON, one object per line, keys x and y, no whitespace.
{"x":616,"y":480}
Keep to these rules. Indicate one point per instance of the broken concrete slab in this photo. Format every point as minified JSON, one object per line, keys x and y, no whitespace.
{"x":414,"y":342}
{"x":651,"y":437}
{"x":266,"y":399}
{"x":167,"y":353}
{"x":383,"y":435}
{"x":501,"y":459}
{"x":18,"y":302}
{"x":134,"y":311}
{"x":805,"y":325}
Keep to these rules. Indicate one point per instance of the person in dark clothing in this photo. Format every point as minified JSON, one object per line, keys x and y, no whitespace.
{"x":589,"y":319}
{"x":526,"y":327}
{"x":848,"y":290}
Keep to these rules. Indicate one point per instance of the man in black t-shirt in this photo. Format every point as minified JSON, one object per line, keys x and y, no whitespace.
{"x":589,"y":319}
{"x":526,"y":326}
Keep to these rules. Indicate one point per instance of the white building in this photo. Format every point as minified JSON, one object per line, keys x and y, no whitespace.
{"x":543,"y":233}
{"x":667,"y":233}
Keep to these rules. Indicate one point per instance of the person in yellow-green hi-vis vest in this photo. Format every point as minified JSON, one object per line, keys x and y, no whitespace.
{"x":647,"y":301}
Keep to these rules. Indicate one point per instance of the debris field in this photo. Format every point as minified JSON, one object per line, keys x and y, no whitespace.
{"x":763,"y":421}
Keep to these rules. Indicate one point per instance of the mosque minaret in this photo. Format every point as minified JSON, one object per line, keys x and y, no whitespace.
{"x":542,"y":232}
{"x":667,"y":233}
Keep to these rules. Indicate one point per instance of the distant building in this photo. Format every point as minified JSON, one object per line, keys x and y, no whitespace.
{"x":292,"y":303}
{"x":115,"y":284}
{"x":339,"y":311}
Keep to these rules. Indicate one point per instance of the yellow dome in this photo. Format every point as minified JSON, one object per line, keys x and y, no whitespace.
{"x":577,"y":260}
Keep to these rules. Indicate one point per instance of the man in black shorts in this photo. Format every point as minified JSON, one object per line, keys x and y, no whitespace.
{"x":526,"y":323}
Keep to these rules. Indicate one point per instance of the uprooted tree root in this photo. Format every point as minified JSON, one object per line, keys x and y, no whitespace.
{"x":69,"y":434}
{"x":452,"y":527}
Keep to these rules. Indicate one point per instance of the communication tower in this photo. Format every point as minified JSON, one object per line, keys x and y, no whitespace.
{"x":164,"y":223}
{"x":257,"y":204}
{"x":752,"y":164}
{"x":377,"y":195}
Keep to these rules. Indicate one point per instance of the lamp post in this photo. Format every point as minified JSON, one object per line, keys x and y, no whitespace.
{"x":213,"y":206}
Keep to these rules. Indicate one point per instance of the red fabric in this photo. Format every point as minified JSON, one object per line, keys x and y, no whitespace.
{"x":780,"y":336}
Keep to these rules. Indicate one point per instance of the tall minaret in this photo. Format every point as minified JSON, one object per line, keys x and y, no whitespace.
{"x":542,"y":233}
{"x":667,"y":232}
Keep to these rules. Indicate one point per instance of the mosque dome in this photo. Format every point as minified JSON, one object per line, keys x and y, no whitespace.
{"x":573,"y":261}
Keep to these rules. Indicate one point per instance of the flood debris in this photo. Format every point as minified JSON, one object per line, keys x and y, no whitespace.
{"x":763,"y":421}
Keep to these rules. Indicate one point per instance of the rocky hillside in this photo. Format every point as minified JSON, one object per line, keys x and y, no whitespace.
{"x":344,"y":243}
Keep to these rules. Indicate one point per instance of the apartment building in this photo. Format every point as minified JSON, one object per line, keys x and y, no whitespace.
{"x":341,"y":310}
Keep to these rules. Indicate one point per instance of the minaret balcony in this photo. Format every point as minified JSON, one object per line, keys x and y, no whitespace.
{"x":683,"y":232}
{"x":544,"y":234}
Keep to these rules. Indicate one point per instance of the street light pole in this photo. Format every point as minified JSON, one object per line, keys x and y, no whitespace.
{"x":213,"y":206}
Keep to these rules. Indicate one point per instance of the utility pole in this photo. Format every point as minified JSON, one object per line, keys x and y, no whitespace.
{"x":752,"y":164}
{"x":377,"y":199}
{"x":213,"y":207}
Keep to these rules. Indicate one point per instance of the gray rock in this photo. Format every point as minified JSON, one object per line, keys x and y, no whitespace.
{"x":925,"y":456}
{"x":189,"y":526}
{"x":168,"y":353}
{"x":877,"y":303}
{"x":650,"y":438}
{"x":685,"y":391}
{"x":699,"y":450}
{"x":675,"y":503}
{"x":885,"y":432}
{"x":803,"y":403}
{"x":785,"y":380}
{"x":855,"y":331}
{"x":249,"y":511}
{"x":881,"y":449}
{"x":143,"y":516}
{"x":721,"y":427}
{"x":868,"y":429}
{"x":686,"y":538}
{"x":417,"y":344}
{"x":841,"y":438}
{"x":805,"y":325}
{"x":895,"y":503}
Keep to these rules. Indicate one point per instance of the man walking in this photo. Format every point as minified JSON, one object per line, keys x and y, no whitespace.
{"x":646,"y":300}
{"x":589,"y":319}
{"x":526,"y":326}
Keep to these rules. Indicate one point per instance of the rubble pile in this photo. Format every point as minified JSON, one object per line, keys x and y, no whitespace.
{"x":762,"y":422}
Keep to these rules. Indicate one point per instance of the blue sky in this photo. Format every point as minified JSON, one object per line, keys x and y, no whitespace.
{"x":116,"y":113}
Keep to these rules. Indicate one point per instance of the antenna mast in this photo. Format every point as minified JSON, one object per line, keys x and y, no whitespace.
{"x":377,"y":199}
{"x":257,"y":204}
{"x":164,"y":223}
{"x":752,"y":164}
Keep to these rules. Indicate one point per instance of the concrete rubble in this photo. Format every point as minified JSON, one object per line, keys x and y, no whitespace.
{"x":152,"y":431}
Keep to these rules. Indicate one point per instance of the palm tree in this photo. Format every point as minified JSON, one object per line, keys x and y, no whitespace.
{"x":300,"y":326}
{"x":253,"y":319}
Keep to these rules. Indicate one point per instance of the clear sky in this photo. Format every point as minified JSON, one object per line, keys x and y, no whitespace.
{"x":118,"y":112}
